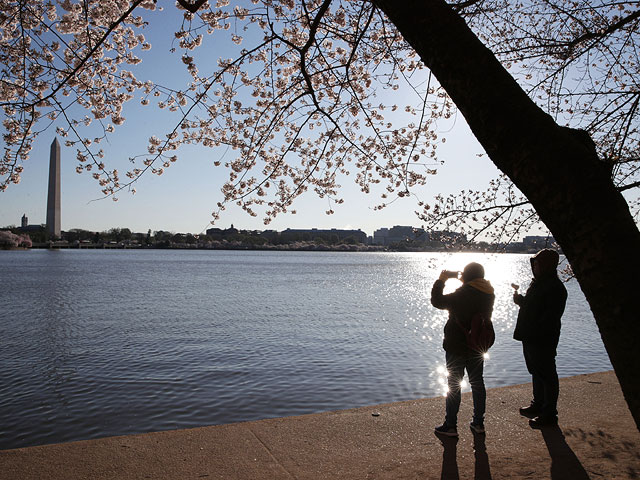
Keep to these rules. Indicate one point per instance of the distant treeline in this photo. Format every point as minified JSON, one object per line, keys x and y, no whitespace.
{"x":232,"y":238}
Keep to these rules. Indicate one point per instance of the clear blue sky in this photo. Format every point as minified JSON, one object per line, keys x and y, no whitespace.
{"x":182,"y":199}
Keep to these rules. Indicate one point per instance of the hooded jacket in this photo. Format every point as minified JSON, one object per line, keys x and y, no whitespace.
{"x":540,"y":311}
{"x":474,"y":296}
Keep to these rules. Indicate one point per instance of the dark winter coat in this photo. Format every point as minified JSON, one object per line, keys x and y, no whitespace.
{"x":540,"y":311}
{"x":472,"y":297}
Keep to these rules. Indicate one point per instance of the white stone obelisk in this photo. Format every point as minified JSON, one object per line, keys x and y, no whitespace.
{"x":53,"y":199}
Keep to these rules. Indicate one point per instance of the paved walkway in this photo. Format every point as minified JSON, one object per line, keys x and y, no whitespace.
{"x":596,"y":439}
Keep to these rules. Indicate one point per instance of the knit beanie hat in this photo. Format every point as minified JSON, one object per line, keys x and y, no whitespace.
{"x":547,"y":259}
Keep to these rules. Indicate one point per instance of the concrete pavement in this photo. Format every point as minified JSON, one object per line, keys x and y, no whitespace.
{"x":596,"y":439}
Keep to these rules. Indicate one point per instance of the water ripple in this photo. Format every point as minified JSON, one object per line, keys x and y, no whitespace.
{"x":100,"y":343}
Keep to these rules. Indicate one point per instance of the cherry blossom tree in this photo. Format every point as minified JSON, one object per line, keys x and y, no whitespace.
{"x":11,"y":240}
{"x":301,"y":106}
{"x":575,"y":59}
{"x":560,"y":170}
{"x":314,"y":91}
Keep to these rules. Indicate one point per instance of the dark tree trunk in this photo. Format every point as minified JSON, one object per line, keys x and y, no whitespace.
{"x":555,"y":167}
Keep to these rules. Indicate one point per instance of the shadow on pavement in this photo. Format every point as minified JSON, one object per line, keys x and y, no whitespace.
{"x":564,"y":463}
{"x":450,"y":461}
{"x":449,"y":458}
{"x":482,"y":469}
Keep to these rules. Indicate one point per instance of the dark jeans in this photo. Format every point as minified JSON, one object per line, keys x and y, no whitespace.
{"x":456,"y":365}
{"x":541,"y":363}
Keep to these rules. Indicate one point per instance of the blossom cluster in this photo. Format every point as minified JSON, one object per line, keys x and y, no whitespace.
{"x":302,"y":106}
{"x":11,"y":240}
{"x":305,"y":106}
{"x":60,"y":55}
{"x":499,"y":214}
{"x":308,"y":94}
{"x":579,"y":61}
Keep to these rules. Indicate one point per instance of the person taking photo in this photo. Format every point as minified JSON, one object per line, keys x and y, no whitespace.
{"x":475,"y":296}
{"x":538,"y":328}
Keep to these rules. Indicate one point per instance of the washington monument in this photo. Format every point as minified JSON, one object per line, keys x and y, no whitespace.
{"x":53,"y":199}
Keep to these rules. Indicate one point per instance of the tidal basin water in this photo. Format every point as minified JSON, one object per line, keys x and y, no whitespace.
{"x":99,"y":343}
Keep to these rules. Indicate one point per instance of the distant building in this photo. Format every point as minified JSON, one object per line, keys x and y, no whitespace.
{"x":397,"y":234}
{"x":26,"y":228}
{"x":411,"y":235}
{"x":380,"y":236}
{"x":270,"y":235}
{"x":333,"y":234}
{"x":218,"y":233}
{"x":31,"y":228}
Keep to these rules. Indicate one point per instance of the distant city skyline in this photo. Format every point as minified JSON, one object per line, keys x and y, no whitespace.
{"x":384,"y":236}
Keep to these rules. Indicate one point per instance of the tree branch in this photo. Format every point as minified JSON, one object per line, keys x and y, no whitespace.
{"x":628,"y":187}
{"x":93,"y":50}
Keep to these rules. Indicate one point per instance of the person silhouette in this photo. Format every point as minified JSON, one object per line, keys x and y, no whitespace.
{"x":538,"y":328}
{"x":474,"y":296}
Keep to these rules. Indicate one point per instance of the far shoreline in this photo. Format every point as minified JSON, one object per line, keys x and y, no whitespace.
{"x":297,"y":247}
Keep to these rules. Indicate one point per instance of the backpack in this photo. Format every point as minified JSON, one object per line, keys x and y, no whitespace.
{"x":482,"y":335}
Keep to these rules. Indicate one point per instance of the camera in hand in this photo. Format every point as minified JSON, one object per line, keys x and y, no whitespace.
{"x":450,"y":274}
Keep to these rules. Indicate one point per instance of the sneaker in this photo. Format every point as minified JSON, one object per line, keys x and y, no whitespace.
{"x":543,"y":421}
{"x":447,"y":430}
{"x":477,"y":427}
{"x":531,"y":411}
